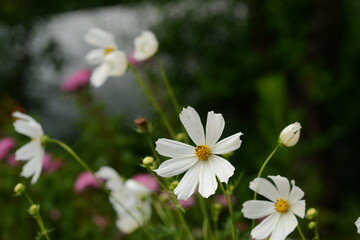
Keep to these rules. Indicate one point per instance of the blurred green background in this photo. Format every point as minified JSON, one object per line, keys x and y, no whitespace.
{"x":262,"y":64}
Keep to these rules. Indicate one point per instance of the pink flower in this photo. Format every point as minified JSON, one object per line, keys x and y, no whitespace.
{"x":147,"y":180}
{"x":50,"y":164}
{"x":85,"y":180}
{"x":222,"y":200}
{"x":77,"y":80}
{"x":6,"y":145}
{"x":187,"y":203}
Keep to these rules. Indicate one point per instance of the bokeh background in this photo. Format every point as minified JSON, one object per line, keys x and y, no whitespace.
{"x":262,"y":64}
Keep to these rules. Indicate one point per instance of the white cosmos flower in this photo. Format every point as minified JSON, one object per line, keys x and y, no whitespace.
{"x":113,"y":62}
{"x":33,"y":151}
{"x":201,"y":163}
{"x":357,"y":224}
{"x":278,"y":213}
{"x":135,"y":207}
{"x":289,"y":136}
{"x":146,"y":45}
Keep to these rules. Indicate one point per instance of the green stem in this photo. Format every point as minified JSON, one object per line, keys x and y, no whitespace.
{"x":102,"y":186}
{"x":259,"y":175}
{"x":39,"y":220}
{"x":231,"y":211}
{"x":153,"y":101}
{"x":300,"y":232}
{"x":206,"y":225}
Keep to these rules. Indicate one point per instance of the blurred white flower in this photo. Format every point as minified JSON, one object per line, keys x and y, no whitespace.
{"x":146,"y":45}
{"x":278,"y":213}
{"x":133,"y":196}
{"x":202,"y":162}
{"x":113,"y":62}
{"x":357,"y":223}
{"x":289,"y":136}
{"x":33,"y":152}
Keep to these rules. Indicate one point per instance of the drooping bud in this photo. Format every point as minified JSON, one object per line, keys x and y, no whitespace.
{"x":34,"y":209}
{"x":19,"y":189}
{"x":289,"y":136}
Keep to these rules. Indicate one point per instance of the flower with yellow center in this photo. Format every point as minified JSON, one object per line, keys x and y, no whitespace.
{"x":112,"y":62}
{"x":278,"y":213}
{"x":201,"y":163}
{"x":32,"y":152}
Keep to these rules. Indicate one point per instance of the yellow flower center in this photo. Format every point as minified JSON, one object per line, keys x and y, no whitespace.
{"x":108,"y":50}
{"x":282,"y":206}
{"x":202,"y":152}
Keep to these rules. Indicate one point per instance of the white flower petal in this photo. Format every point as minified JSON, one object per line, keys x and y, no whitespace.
{"x":357,"y":224}
{"x":127,"y":224}
{"x":23,"y":116}
{"x":26,"y":152}
{"x":221,"y":167}
{"x":227,"y":145}
{"x":112,"y":178}
{"x":215,"y":124}
{"x":95,"y":56}
{"x":175,"y":166}
{"x":295,"y":194}
{"x":264,"y":229}
{"x":286,"y":224}
{"x":100,"y":38}
{"x":29,"y":129}
{"x":282,"y":184}
{"x":171,"y":148}
{"x":207,"y":180}
{"x":255,"y":209}
{"x":192,"y":123}
{"x":146,"y":45}
{"x":265,"y":188}
{"x":116,"y":63}
{"x":34,"y":166}
{"x":188,"y":183}
{"x":99,"y":76}
{"x":298,"y":208}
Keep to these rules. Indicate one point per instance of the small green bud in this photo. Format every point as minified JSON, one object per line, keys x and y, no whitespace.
{"x":311,"y":213}
{"x":312,"y":225}
{"x":217,"y":206}
{"x":34,"y":209}
{"x":19,"y":189}
{"x":180,"y":137}
{"x":44,"y":139}
{"x":147,"y":161}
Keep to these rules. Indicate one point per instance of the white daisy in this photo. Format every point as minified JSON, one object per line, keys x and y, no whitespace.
{"x":135,"y":207}
{"x":357,"y":224}
{"x":278,"y":213}
{"x":33,"y":152}
{"x":146,"y":45}
{"x":113,"y":62}
{"x":290,"y":135}
{"x":201,"y":162}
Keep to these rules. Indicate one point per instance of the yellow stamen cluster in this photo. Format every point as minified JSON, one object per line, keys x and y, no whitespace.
{"x":282,"y":206}
{"x":108,"y":50}
{"x":202,"y":152}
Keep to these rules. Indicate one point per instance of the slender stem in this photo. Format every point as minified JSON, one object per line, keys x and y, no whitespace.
{"x":153,"y":101}
{"x":39,"y":220}
{"x":259,"y":175}
{"x":300,"y":232}
{"x":169,"y":88}
{"x":206,"y":224}
{"x":100,"y":183}
{"x":231,"y":211}
{"x":316,"y":231}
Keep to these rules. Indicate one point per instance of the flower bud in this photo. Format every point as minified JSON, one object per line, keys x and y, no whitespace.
{"x":312,"y":225}
{"x":147,"y":161}
{"x":289,"y":136}
{"x":142,"y":125}
{"x":19,"y":189}
{"x":180,"y":137}
{"x":311,"y":213}
{"x":173,"y":185}
{"x":34,"y":209}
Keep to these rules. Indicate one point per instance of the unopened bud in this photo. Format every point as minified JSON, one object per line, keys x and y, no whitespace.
{"x":312,"y":225}
{"x":148,"y":160}
{"x":181,"y":137}
{"x":142,"y":125}
{"x":289,"y":136}
{"x":19,"y":189}
{"x":34,"y":209}
{"x":311,"y":213}
{"x":173,"y":184}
